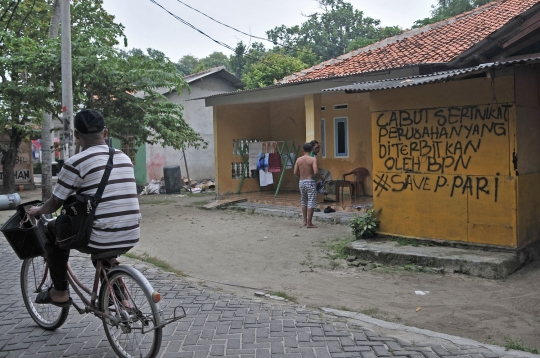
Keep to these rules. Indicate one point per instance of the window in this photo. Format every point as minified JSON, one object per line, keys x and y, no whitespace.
{"x":323,"y":108}
{"x":341,"y":140}
{"x":341,"y":106}
{"x":323,"y":137}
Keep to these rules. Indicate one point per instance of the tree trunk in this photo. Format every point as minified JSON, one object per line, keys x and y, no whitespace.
{"x":9,"y":159}
{"x":46,"y":135}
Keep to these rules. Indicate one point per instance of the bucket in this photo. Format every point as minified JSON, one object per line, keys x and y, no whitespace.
{"x":9,"y":201}
{"x":173,"y":179}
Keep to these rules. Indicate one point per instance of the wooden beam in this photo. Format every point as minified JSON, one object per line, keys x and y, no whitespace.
{"x":525,"y":29}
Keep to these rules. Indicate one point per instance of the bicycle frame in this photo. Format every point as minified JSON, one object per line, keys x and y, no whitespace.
{"x":90,"y":305}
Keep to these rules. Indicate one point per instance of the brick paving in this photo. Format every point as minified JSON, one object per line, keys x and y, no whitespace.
{"x":217,"y":325}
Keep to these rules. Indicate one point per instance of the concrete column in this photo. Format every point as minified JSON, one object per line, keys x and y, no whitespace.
{"x":313,"y":116}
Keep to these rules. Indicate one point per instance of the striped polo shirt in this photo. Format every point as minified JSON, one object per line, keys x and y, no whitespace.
{"x":116,"y":223}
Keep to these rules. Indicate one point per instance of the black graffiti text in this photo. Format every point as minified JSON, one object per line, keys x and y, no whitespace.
{"x":454,"y":185}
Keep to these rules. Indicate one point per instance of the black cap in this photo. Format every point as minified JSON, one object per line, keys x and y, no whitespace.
{"x":89,"y":121}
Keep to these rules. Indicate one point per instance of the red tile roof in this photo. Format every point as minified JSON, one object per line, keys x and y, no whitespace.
{"x":436,"y":43}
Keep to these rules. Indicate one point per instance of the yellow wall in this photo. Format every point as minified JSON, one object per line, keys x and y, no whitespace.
{"x":237,"y":122}
{"x":288,"y":123}
{"x":441,"y":171}
{"x":359,"y":130}
{"x":528,"y":153}
{"x":276,"y":121}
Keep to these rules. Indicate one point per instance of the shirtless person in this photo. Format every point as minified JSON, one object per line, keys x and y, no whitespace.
{"x":306,"y":169}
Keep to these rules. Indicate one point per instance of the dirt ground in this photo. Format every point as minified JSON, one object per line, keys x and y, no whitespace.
{"x":244,"y":253}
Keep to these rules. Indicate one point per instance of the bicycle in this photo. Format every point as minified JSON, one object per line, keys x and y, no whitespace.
{"x":127,"y":303}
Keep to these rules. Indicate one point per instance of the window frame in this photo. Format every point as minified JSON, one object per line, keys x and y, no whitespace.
{"x":338,"y":120}
{"x":323,"y":138}
{"x":341,"y":106}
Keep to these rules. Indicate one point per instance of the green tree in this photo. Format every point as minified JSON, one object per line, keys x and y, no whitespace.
{"x":445,"y":9}
{"x":271,"y":68}
{"x":104,"y":78}
{"x":186,"y":65}
{"x":124,"y":89}
{"x":215,"y":59}
{"x":329,"y":33}
{"x":244,"y":56}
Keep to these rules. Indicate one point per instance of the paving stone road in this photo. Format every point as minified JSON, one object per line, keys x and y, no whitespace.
{"x":217,"y":324}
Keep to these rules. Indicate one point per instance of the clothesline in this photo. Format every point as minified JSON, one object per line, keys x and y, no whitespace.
{"x":268,"y":157}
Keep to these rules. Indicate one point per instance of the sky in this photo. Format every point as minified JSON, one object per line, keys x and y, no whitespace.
{"x":148,"y":25}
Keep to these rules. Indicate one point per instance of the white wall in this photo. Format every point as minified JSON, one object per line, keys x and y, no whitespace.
{"x":200,"y":161}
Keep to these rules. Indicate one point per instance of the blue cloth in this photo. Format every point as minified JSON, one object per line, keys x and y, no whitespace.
{"x":262,"y":161}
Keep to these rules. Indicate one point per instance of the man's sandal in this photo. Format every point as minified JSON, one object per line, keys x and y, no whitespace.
{"x":44,"y":297}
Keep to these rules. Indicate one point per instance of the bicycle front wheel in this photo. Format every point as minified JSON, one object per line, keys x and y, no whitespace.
{"x":34,"y":279}
{"x":133,"y":315}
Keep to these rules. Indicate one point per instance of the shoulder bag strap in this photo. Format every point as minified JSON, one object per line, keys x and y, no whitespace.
{"x":106,"y":175}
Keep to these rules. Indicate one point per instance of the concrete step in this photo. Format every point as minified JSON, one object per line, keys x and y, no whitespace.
{"x":492,"y":263}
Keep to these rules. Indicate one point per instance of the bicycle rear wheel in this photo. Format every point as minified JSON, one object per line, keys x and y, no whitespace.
{"x":33,"y":272}
{"x":129,"y":328}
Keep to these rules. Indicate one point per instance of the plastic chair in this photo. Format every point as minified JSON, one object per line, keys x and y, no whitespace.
{"x":340,"y":184}
{"x":359,"y":175}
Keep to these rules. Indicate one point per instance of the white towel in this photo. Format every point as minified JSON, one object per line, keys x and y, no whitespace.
{"x":265,"y":178}
{"x":255,"y":149}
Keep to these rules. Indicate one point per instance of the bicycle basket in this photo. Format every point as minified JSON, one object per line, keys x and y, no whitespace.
{"x":26,"y":239}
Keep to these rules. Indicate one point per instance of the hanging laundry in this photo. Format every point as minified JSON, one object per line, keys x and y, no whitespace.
{"x":262,"y":161}
{"x":265,"y":178}
{"x":274,"y":163}
{"x":289,"y":159}
{"x":255,"y":149}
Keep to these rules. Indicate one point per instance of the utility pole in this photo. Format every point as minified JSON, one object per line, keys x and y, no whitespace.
{"x":67,"y":81}
{"x":46,"y":136}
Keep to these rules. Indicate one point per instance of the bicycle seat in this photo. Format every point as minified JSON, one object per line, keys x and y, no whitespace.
{"x":109,"y":253}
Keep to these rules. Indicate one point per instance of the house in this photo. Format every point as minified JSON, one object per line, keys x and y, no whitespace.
{"x":150,"y":160}
{"x":444,"y":117}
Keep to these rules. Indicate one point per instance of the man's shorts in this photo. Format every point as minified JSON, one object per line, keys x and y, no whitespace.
{"x":308,"y":193}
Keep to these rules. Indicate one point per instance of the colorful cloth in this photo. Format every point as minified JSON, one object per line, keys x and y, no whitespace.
{"x":274,"y":163}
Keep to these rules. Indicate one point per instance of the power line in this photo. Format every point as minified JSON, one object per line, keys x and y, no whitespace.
{"x":193,"y":27}
{"x":12,"y":13}
{"x":230,"y":27}
{"x":211,"y":38}
{"x":26,"y":17}
{"x":11,"y":17}
{"x":275,"y":43}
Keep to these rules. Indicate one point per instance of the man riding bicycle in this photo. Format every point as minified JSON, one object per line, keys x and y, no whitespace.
{"x":117,"y":217}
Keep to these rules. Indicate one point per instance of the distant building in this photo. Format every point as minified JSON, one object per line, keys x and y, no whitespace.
{"x":151,"y":159}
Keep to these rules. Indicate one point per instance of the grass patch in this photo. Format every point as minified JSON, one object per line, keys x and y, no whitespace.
{"x":285,"y":296}
{"x":519,"y":345}
{"x":154,"y":261}
{"x":404,"y":241}
{"x":338,"y":248}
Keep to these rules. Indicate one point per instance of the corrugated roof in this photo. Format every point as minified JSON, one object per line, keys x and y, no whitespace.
{"x":229,"y":76}
{"x":235,"y":81}
{"x":437,"y":43}
{"x":427,"y":79}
